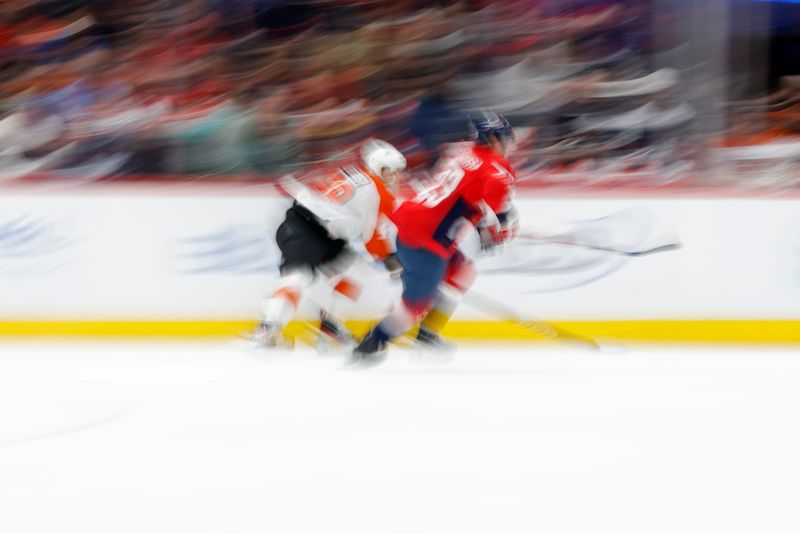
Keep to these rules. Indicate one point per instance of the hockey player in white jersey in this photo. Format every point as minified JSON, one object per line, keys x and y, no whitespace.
{"x":333,"y":219}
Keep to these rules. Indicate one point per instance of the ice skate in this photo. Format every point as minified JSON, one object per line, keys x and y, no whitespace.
{"x":372,"y":351}
{"x":334,"y":336}
{"x":270,"y":337}
{"x":430,"y":347}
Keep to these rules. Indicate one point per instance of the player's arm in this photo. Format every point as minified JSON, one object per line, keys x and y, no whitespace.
{"x":388,"y":202}
{"x":500,"y":222}
{"x":381,"y":245}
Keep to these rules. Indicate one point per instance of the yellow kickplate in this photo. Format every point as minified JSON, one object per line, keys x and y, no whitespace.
{"x":779,"y":331}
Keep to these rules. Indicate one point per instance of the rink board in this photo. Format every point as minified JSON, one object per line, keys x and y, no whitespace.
{"x":122,"y":262}
{"x":719,"y":331}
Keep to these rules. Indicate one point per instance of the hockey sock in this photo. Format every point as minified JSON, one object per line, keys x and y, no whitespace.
{"x":440,"y":314}
{"x":460,"y":277}
{"x":282,"y":305}
{"x":401,"y":319}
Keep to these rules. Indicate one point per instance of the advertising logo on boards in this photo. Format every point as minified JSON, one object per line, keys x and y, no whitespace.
{"x":31,"y":246}
{"x":234,"y":249}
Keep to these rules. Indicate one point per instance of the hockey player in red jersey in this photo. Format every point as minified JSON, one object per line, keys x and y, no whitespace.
{"x":472,"y":187}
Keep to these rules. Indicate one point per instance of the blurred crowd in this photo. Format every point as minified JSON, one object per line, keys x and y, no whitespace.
{"x":102,"y":89}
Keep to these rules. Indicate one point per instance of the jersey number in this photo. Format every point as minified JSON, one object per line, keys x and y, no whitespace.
{"x":340,"y":190}
{"x":444,"y":183}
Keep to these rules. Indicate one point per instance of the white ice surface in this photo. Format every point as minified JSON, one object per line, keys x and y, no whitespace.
{"x":208,"y":438}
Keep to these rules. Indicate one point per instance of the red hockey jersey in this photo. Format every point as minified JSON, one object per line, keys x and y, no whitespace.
{"x":470,"y":179}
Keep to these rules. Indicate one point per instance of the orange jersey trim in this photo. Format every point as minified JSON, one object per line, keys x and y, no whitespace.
{"x":379,"y":246}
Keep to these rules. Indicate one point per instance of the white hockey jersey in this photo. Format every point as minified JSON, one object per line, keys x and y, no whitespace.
{"x":349,"y":202}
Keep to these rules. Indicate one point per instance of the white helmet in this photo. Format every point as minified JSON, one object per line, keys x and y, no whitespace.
{"x":378,"y":155}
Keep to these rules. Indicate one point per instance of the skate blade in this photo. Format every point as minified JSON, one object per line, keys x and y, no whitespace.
{"x":360,"y":363}
{"x":246,"y":343}
{"x":432,"y":356}
{"x":332,"y":347}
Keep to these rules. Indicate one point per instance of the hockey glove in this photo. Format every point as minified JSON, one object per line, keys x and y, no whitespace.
{"x":393,"y":266}
{"x":497,"y":230}
{"x":490,"y":238}
{"x":508,"y":223}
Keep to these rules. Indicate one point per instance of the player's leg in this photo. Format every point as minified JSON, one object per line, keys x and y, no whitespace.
{"x":306,"y":248}
{"x":460,"y":276}
{"x":279,"y":308}
{"x":423,"y":271}
{"x":333,"y":334}
{"x":348,"y":284}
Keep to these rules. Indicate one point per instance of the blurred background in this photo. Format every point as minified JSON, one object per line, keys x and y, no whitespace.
{"x":616,"y":93}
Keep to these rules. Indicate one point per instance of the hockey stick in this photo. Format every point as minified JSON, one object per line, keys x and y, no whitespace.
{"x":629,"y":253}
{"x":540,"y":328}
